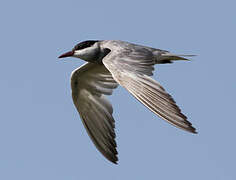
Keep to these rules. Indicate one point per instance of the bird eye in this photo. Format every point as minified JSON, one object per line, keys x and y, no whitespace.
{"x":75,"y":48}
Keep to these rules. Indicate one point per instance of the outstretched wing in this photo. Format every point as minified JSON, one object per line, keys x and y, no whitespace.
{"x":131,"y":69}
{"x":89,"y":84}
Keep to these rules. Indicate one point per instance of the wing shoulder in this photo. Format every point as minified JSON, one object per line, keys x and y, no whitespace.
{"x":132,"y":57}
{"x":95,"y":78}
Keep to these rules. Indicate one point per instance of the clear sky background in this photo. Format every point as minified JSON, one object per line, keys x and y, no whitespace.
{"x":41,"y":134}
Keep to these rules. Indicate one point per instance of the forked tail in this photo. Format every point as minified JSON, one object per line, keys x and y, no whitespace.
{"x":168,"y":57}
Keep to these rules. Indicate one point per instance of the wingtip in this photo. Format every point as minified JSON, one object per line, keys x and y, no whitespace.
{"x":114,"y":161}
{"x":193,"y":130}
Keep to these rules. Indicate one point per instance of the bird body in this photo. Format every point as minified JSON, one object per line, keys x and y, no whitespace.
{"x":112,"y":63}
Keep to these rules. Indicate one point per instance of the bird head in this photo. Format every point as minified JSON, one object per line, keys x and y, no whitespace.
{"x":86,"y":50}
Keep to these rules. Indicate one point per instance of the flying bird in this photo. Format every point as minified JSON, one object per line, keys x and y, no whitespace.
{"x":111,"y":63}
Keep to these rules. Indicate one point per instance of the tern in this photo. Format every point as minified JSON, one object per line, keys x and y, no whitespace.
{"x":111,"y":63}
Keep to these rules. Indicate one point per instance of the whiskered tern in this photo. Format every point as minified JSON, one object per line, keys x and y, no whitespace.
{"x":111,"y":63}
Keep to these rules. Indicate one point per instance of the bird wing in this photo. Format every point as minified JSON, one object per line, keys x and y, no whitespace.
{"x":89,"y":84}
{"x":131,"y":69}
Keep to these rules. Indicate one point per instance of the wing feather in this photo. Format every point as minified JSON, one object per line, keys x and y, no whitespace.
{"x":133,"y":74}
{"x":89,"y":84}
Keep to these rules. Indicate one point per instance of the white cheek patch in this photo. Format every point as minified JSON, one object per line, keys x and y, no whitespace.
{"x":87,"y":54}
{"x":83,"y":52}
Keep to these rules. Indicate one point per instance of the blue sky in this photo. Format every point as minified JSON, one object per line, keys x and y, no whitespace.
{"x":41,"y":134}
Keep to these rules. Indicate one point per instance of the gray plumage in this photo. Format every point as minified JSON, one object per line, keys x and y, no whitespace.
{"x":117,"y":62}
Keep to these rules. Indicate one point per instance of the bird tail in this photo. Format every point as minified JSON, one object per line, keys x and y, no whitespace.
{"x":168,"y":57}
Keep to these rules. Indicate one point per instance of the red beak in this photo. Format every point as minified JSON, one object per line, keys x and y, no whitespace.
{"x":68,"y":54}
